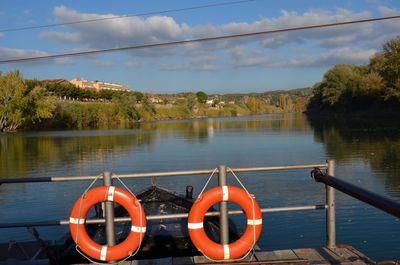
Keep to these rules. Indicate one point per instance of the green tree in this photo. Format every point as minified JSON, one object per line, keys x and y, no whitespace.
{"x":377,"y":63}
{"x":126,"y":104}
{"x":21,"y":105}
{"x":12,"y":101}
{"x":337,"y":87}
{"x":201,"y":97}
{"x":391,"y":69}
{"x":39,"y":105}
{"x":191,"y":101}
{"x":255,"y":105}
{"x":371,"y":85}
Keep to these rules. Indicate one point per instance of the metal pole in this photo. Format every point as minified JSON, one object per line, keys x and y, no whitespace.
{"x":330,"y":212}
{"x":223,"y":209}
{"x":109,"y":212}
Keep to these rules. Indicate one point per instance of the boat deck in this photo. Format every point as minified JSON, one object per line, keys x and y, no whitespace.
{"x":343,"y":254}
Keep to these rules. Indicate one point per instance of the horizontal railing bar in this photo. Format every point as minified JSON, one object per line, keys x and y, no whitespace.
{"x":387,"y":205}
{"x":158,"y":174}
{"x":166,"y":216}
{"x":273,"y":168}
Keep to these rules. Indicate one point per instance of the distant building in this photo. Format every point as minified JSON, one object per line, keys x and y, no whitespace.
{"x":210,"y":102}
{"x":97,"y":85}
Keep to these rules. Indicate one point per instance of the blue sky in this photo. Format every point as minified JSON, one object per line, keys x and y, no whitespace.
{"x":279,"y":61}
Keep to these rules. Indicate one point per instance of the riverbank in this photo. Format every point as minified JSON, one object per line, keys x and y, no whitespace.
{"x":389,"y":116}
{"x":109,"y":115}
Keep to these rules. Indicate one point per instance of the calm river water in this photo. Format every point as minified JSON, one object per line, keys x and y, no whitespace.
{"x":366,"y":154}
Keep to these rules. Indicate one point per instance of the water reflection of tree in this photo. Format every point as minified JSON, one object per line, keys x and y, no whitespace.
{"x":22,"y":152}
{"x":201,"y":129}
{"x":376,"y":142}
{"x":19,"y":153}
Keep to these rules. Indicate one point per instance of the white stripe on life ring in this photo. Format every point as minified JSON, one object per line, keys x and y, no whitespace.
{"x":110,"y":193}
{"x":103,"y":253}
{"x":195,"y":225}
{"x":138,"y":229}
{"x":227,"y":253}
{"x":225,"y":193}
{"x":76,"y":221}
{"x":254,"y":221}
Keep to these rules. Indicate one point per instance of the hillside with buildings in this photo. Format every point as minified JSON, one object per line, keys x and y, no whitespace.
{"x":79,"y":103}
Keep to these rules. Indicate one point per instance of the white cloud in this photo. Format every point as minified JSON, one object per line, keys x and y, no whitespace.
{"x":136,"y":30}
{"x":389,"y":26}
{"x":245,"y":57}
{"x":102,"y":63}
{"x":331,"y":57}
{"x":65,"y":60}
{"x":12,"y":53}
{"x":69,"y":37}
{"x":115,"y":32}
{"x":242,"y":57}
{"x":201,"y":62}
{"x":387,"y":11}
{"x":338,"y":41}
{"x":347,"y":44}
{"x":201,"y":67}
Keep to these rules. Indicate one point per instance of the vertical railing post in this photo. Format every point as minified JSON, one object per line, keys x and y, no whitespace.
{"x":330,"y":212}
{"x":109,"y":212}
{"x":223,"y":209}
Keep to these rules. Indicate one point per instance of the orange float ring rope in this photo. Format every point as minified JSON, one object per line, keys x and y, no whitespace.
{"x":102,"y":194}
{"x":241,"y":246}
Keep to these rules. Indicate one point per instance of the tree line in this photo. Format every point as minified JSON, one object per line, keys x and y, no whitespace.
{"x":34,"y":104}
{"x":68,"y":90}
{"x":347,"y":87}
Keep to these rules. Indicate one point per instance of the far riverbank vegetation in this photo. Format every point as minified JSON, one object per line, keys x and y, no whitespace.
{"x":54,"y":104}
{"x":371,"y":90}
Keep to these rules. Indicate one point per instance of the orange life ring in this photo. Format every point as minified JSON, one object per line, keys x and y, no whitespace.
{"x":241,"y":246}
{"x":101,"y":194}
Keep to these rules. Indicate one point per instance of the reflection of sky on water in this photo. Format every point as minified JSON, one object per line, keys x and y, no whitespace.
{"x":204,"y":144}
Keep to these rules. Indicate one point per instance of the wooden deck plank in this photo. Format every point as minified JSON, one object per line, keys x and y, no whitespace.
{"x":285,"y":254}
{"x":346,"y":254}
{"x":310,"y":254}
{"x":343,"y":255}
{"x":354,"y":252}
{"x":266,"y":255}
{"x":320,"y":256}
{"x":330,"y":256}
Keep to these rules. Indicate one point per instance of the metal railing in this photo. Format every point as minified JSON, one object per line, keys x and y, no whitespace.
{"x":331,"y":183}
{"x":223,"y":212}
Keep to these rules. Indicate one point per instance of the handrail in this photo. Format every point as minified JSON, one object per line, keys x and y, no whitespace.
{"x":158,"y":174}
{"x":377,"y":201}
{"x":164,"y":216}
